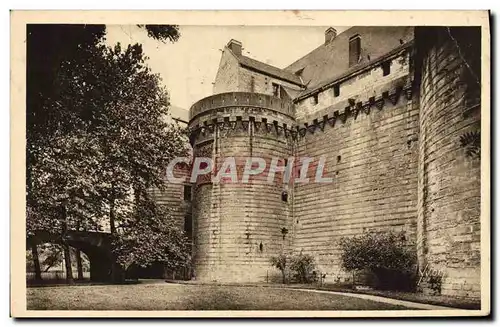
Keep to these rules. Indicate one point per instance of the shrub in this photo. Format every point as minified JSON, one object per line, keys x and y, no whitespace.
{"x":386,"y":254}
{"x":281,"y":262}
{"x":303,"y":267}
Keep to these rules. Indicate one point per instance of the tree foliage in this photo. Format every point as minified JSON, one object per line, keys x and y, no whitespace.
{"x":386,"y":254}
{"x":150,"y":236}
{"x":162,"y":32}
{"x":97,"y":136}
{"x":303,"y":266}
{"x":281,"y":262}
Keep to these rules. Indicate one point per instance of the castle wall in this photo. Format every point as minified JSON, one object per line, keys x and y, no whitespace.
{"x":362,"y":83}
{"x":251,"y":81}
{"x":238,"y":225}
{"x":231,"y":77}
{"x":449,"y":180}
{"x":371,"y":151}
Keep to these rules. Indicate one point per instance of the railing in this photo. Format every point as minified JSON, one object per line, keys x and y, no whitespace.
{"x":242,"y":99}
{"x":55,"y":275}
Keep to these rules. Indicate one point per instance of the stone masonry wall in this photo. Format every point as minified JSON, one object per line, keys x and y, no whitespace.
{"x":360,"y":84}
{"x":226,"y":79}
{"x":449,"y":180}
{"x":238,"y":225}
{"x":251,"y":81}
{"x":371,"y":154}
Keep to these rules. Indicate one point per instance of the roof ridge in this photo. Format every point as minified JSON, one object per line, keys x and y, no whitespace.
{"x":265,"y":68}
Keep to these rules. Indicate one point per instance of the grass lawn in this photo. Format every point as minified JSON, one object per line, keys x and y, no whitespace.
{"x":190,"y":297}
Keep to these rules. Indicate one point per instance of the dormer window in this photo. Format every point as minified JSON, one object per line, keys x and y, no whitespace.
{"x":354,"y":50}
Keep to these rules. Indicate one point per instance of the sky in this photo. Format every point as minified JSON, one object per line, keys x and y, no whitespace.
{"x":188,"y":66}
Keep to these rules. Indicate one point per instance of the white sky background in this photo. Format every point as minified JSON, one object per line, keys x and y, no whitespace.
{"x":188,"y":66}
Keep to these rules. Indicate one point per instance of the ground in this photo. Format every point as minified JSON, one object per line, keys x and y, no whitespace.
{"x":164,"y":296}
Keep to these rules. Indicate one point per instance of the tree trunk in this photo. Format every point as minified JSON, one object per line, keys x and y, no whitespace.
{"x":67,"y":263}
{"x":79,"y":266}
{"x":36,"y":262}
{"x":112,"y":226}
{"x":283,"y":275}
{"x":117,"y":273}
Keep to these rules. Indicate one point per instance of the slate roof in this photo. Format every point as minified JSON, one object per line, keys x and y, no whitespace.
{"x":331,"y":61}
{"x":268,"y":69}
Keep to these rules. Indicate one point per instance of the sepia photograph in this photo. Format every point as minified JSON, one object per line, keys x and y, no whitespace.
{"x":285,"y":164}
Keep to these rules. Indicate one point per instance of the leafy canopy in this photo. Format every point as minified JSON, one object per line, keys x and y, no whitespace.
{"x":98,"y":138}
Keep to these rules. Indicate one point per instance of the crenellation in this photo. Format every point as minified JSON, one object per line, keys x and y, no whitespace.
{"x":392,"y":148}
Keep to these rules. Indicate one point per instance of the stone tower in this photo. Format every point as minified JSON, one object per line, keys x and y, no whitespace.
{"x":237,"y":225}
{"x":449,"y":193}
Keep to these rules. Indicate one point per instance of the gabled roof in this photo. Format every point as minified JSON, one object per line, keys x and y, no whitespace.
{"x":331,"y":61}
{"x":267,"y":69}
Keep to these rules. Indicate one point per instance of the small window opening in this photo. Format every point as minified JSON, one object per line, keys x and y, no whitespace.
{"x":252,"y":84}
{"x":261,"y":247}
{"x":338,"y":158}
{"x":386,"y":68}
{"x":284,"y":196}
{"x":188,"y":225}
{"x":276,"y":90}
{"x":286,"y":162}
{"x":315,"y":99}
{"x":187,"y":192}
{"x":336,"y":90}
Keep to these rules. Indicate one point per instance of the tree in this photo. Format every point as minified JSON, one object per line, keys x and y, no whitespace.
{"x":96,"y":131}
{"x":303,"y":266}
{"x":150,"y":236}
{"x":386,"y":254}
{"x":162,"y":32}
{"x":281,"y":262}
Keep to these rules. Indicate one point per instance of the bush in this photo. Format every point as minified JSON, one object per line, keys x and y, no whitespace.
{"x":303,"y":266}
{"x":281,"y":262}
{"x":387,"y":255}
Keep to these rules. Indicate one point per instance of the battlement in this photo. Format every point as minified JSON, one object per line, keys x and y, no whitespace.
{"x":246,"y":99}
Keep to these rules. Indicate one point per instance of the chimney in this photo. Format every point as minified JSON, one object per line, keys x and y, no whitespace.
{"x":235,"y":47}
{"x":330,"y":34}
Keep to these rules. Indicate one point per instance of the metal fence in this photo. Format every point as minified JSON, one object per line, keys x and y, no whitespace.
{"x":55,"y":275}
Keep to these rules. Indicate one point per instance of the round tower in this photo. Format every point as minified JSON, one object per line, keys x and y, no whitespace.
{"x":449,"y":163}
{"x":238,"y":225}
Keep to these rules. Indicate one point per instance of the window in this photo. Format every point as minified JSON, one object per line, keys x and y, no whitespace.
{"x":188,"y":225}
{"x":336,"y":90}
{"x":187,"y":192}
{"x":315,"y":99}
{"x":386,"y":68}
{"x":354,"y":50}
{"x":284,"y":196}
{"x":276,"y":90}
